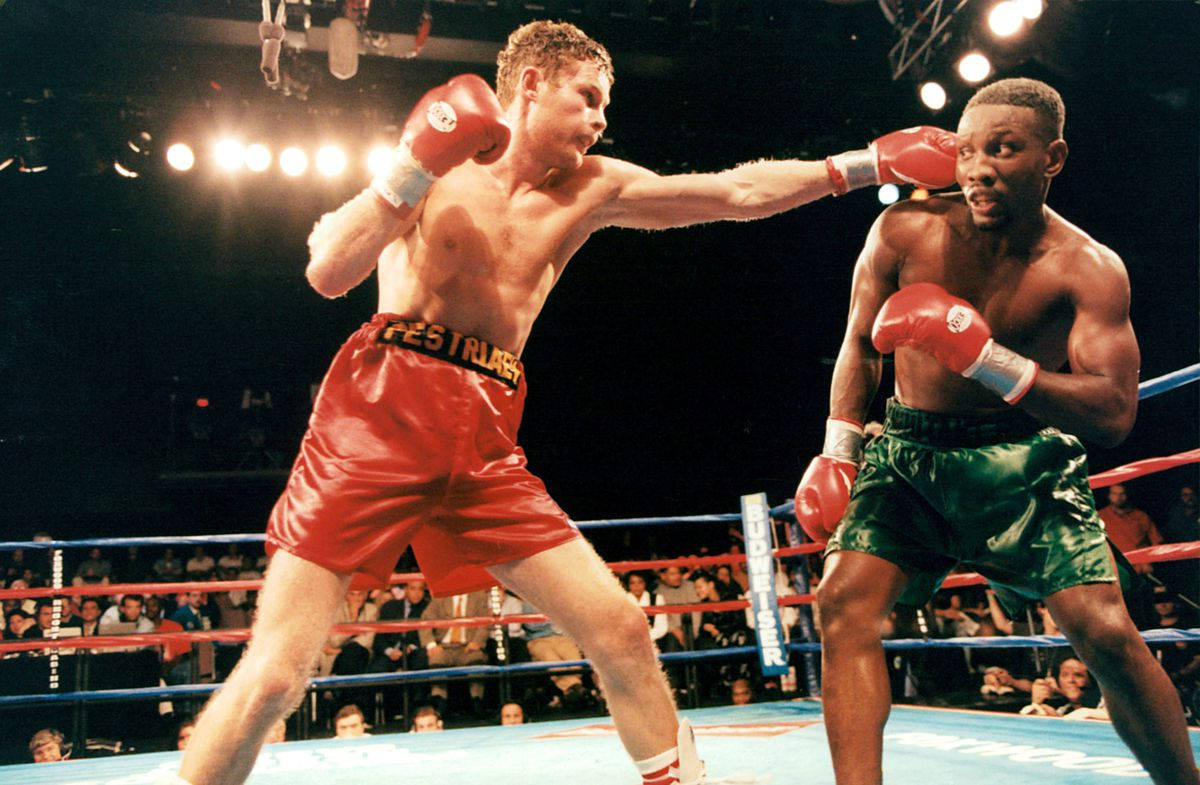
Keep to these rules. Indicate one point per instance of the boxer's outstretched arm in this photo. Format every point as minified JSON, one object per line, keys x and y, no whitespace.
{"x":1097,"y":399}
{"x":344,"y":246}
{"x":641,"y":199}
{"x":856,"y":374}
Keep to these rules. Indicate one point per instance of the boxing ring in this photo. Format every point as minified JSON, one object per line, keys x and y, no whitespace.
{"x":780,"y":741}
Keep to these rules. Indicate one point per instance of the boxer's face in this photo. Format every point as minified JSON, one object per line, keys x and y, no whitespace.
{"x":1004,"y":163}
{"x":570,"y":113}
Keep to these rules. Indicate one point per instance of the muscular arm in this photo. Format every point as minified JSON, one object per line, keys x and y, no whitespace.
{"x":640,"y":199}
{"x":1097,"y":399}
{"x":344,"y":246}
{"x":857,"y":371}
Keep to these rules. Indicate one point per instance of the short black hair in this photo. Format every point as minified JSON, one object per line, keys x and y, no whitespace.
{"x":1043,"y":99}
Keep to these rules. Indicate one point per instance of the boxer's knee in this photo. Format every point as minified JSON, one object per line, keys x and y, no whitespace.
{"x":624,"y":634}
{"x":846,"y":616}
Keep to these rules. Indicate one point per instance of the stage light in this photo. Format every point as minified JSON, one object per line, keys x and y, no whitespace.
{"x":933,"y":95}
{"x":1031,"y":9}
{"x":331,"y":161}
{"x":380,"y":159}
{"x":180,"y":157}
{"x":134,"y":155}
{"x":31,"y":148}
{"x":258,"y":158}
{"x":1005,"y":19}
{"x":230,"y":154}
{"x":888,"y":193}
{"x":974,"y":67}
{"x":919,"y":194}
{"x":293,"y":161}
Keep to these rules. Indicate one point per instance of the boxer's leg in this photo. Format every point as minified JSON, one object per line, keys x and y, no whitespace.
{"x":295,"y":611}
{"x":1141,"y":700}
{"x":855,"y":595}
{"x":571,"y":585}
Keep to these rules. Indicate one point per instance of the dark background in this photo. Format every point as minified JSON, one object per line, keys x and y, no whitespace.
{"x":669,"y":373}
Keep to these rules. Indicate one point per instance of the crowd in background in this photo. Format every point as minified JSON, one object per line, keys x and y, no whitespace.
{"x":1044,"y":681}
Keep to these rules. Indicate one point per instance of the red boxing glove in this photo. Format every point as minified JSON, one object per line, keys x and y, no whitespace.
{"x":458,"y":120}
{"x":824,"y":490}
{"x":923,"y":155}
{"x":926,"y":317}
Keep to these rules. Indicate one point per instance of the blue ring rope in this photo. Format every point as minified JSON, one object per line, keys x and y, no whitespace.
{"x":475,"y":671}
{"x":1168,"y":381}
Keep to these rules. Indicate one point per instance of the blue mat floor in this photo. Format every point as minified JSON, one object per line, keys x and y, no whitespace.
{"x":780,"y":742}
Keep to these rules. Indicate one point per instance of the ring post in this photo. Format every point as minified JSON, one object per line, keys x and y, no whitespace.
{"x":760,"y":566}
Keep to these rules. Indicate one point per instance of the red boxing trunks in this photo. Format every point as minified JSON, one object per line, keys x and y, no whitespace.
{"x":412,"y":440}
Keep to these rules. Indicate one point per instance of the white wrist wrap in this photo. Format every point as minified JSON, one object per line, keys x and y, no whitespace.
{"x":857,"y":167}
{"x":405,"y":182}
{"x":1003,"y":371}
{"x":843,"y":440}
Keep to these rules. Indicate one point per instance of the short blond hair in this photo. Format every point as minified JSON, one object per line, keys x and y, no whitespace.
{"x":548,"y":46}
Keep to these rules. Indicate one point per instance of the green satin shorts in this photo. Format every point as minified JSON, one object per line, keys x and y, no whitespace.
{"x":998,"y":493}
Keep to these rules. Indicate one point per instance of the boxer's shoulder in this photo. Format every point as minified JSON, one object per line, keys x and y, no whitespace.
{"x":912,"y":223}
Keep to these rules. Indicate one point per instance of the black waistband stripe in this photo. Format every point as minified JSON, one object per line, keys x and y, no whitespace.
{"x":466,"y":351}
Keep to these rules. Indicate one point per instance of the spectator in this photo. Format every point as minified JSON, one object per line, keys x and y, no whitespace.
{"x":740,"y":692}
{"x":232,"y":560}
{"x":349,"y":654}
{"x":190,"y":614}
{"x":1183,"y":525}
{"x":1183,"y":517}
{"x":349,"y":723}
{"x":727,"y":589}
{"x":719,"y":630}
{"x":676,"y":591}
{"x":426,"y":720}
{"x":1057,"y":697}
{"x":401,"y":650}
{"x":43,"y":618}
{"x":16,"y":566}
{"x":131,"y":566}
{"x":129,"y":611}
{"x":183,"y":732}
{"x":456,"y":646}
{"x":168,"y":568}
{"x":200,"y":565}
{"x":17,"y":622}
{"x":1180,"y":659}
{"x":1128,"y":527}
{"x":29,"y":605}
{"x":171,"y":652}
{"x":547,"y":643}
{"x":48,"y":746}
{"x":635,"y":584}
{"x":94,"y":569}
{"x":89,"y":612}
{"x":738,"y":569}
{"x":953,"y":618}
{"x":511,"y":713}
